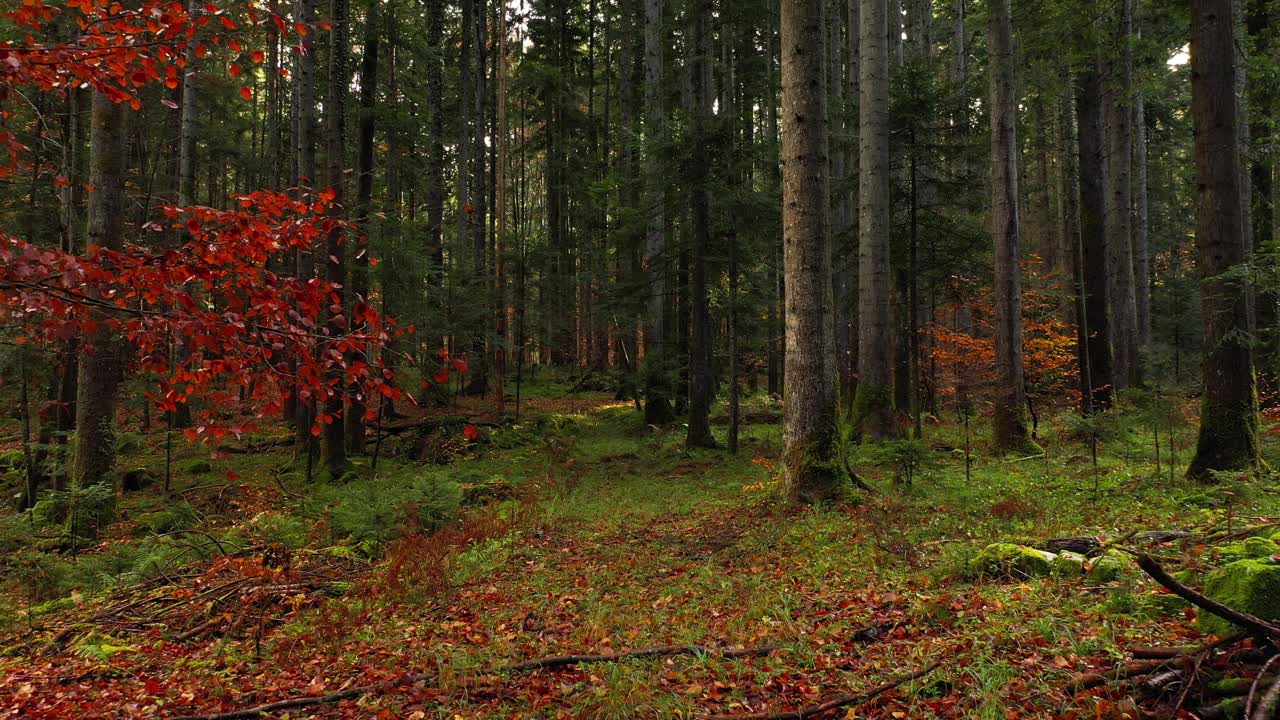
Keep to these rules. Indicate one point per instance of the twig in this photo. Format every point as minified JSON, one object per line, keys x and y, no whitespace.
{"x":1253,"y":691}
{"x":835,"y":703}
{"x":1255,"y":624}
{"x":541,"y":663}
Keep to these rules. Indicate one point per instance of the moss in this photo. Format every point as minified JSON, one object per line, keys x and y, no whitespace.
{"x":1254,"y":547}
{"x":1111,"y":566}
{"x":1007,"y":559}
{"x":870,"y":401}
{"x":198,"y":466}
{"x":178,"y":517}
{"x":813,"y":471}
{"x":1068,"y":565}
{"x":1251,"y":586}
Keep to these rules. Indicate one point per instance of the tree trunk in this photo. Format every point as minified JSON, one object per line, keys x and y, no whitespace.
{"x":94,"y":451}
{"x":1010,"y":424}
{"x":657,"y":405}
{"x":334,"y":448}
{"x":1229,"y":411}
{"x":435,"y":159}
{"x":1091,"y":256}
{"x":356,"y":403}
{"x":1141,"y":224}
{"x":304,"y":175}
{"x":811,"y":469}
{"x":873,"y":403}
{"x":1262,"y":186}
{"x":1118,"y":117}
{"x":699,"y":431}
{"x":500,"y":211}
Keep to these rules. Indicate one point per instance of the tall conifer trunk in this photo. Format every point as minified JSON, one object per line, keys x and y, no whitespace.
{"x":1229,"y":411}
{"x":811,"y":469}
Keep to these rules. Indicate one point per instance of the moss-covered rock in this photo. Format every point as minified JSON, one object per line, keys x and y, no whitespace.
{"x":1251,"y":586}
{"x":198,"y":466}
{"x":1007,"y":559}
{"x":1069,"y":564}
{"x":1251,"y":548}
{"x":1110,"y":566}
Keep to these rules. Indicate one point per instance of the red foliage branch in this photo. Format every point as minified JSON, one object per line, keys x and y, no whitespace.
{"x":241,"y":325}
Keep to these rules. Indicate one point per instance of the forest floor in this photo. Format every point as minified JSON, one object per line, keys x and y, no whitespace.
{"x":587,"y":532}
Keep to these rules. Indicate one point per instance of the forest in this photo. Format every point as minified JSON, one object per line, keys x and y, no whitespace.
{"x":610,"y":359}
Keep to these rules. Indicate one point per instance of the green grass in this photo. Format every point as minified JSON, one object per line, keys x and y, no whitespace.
{"x":625,"y":539}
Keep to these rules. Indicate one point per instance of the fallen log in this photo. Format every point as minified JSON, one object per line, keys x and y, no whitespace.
{"x":835,"y":703}
{"x":555,"y":661}
{"x":1255,"y":625}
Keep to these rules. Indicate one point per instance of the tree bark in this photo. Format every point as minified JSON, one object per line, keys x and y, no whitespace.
{"x":873,"y":403}
{"x":812,"y":472}
{"x":657,"y":403}
{"x":1141,"y":224}
{"x":1010,"y":424}
{"x":1091,"y":255}
{"x":435,"y":158}
{"x":356,"y":404}
{"x":94,"y":451}
{"x":1118,"y":117}
{"x":699,"y":430}
{"x":304,"y":175}
{"x":1229,"y":410}
{"x":334,"y":447}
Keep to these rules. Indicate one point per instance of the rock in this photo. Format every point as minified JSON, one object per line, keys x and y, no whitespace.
{"x":1112,"y":565}
{"x":1251,"y":586}
{"x":1007,"y":559}
{"x":1254,"y":547}
{"x":198,"y":466}
{"x":1068,"y":564}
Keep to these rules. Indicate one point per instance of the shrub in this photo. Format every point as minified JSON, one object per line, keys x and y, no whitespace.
{"x":371,"y":514}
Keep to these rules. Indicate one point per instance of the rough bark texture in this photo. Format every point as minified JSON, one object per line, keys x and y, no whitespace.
{"x":304,"y":174}
{"x":1229,"y":411}
{"x":1010,"y":424}
{"x":1096,"y":362}
{"x":334,"y":447}
{"x":873,"y":403}
{"x":699,"y":431}
{"x":811,"y":469}
{"x":657,"y":405}
{"x":1141,"y":224}
{"x":1118,"y":116}
{"x":364,"y":200}
{"x":93,"y":454}
{"x":435,"y":159}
